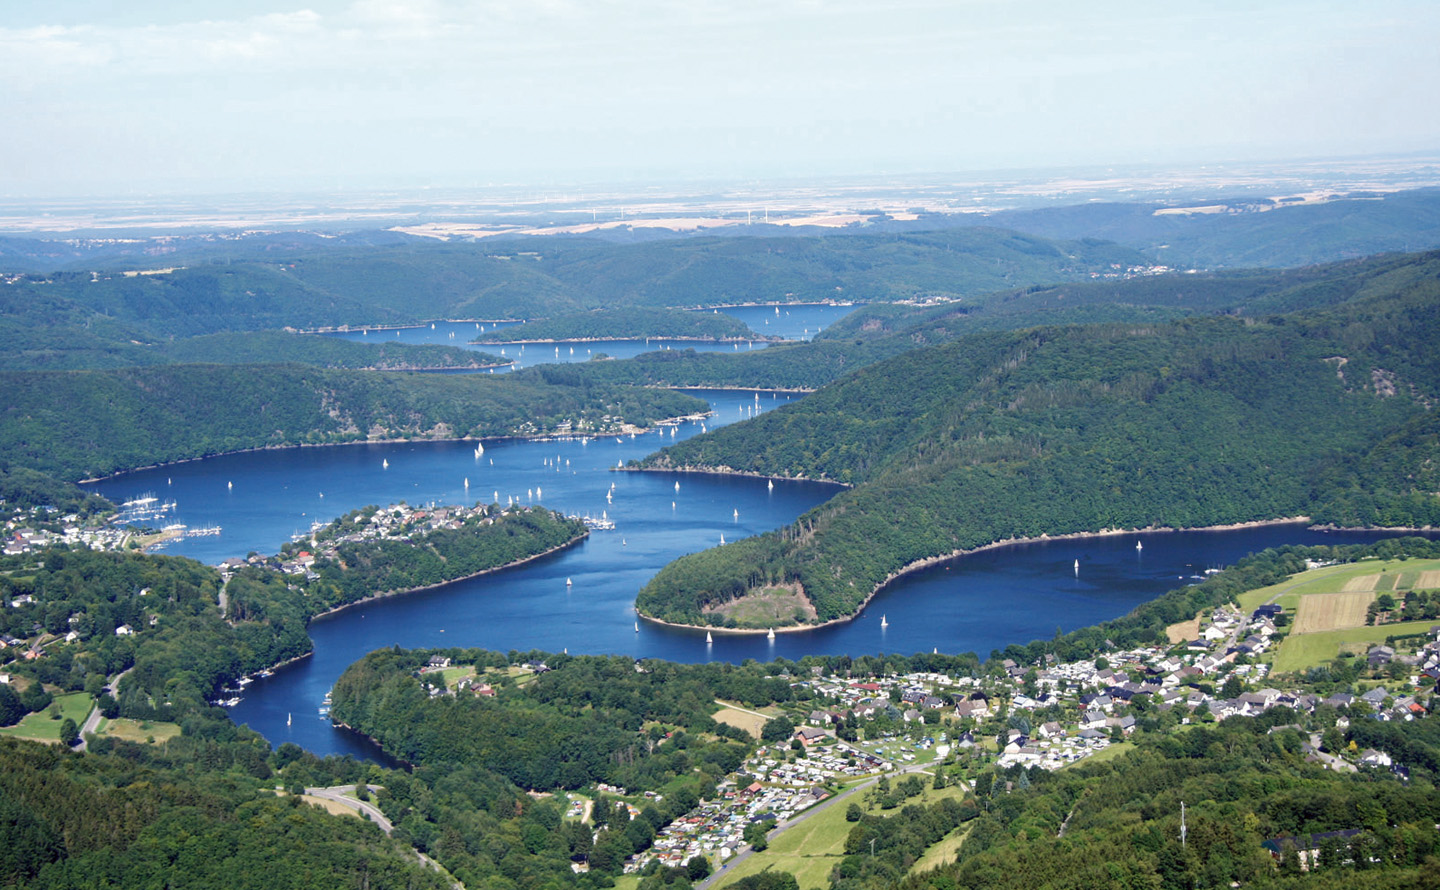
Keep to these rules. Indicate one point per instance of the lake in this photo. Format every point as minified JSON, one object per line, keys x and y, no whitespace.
{"x":791,"y":321}
{"x":977,"y":603}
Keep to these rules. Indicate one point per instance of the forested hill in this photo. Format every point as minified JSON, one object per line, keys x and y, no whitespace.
{"x":1199,"y":422}
{"x":1246,"y":231}
{"x":627,"y":324}
{"x":879,"y":331}
{"x":78,"y":424}
{"x":538,"y":278}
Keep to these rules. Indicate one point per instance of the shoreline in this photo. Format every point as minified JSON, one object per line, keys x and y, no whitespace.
{"x":678,"y":339}
{"x":714,"y":472}
{"x":333,"y":610}
{"x":394,"y":593}
{"x":625,"y":430}
{"x":919,"y":564}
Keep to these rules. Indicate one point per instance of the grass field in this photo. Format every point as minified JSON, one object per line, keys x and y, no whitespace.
{"x":1184,"y":630}
{"x":744,"y":719}
{"x":942,"y":853}
{"x":1320,"y":612}
{"x":1359,"y":577}
{"x":40,"y":727}
{"x":811,"y":849}
{"x":1116,"y":750}
{"x":1300,"y":651}
{"x":138,"y":730}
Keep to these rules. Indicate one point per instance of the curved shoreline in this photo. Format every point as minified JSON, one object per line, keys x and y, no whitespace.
{"x":409,"y":590}
{"x":760,"y":338}
{"x":919,"y":564}
{"x":710,"y":471}
{"x":539,"y":437}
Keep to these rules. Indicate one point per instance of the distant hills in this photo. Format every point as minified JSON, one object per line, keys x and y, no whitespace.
{"x":1009,"y":434}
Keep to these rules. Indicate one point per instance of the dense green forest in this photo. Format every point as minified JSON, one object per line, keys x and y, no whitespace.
{"x":181,"y":650}
{"x":884,"y":330}
{"x":627,"y":324}
{"x":582,"y":720}
{"x":42,"y":348}
{"x":348,"y":570}
{"x":78,"y":424}
{"x":1203,"y":421}
{"x":535,"y":278}
{"x":198,"y":817}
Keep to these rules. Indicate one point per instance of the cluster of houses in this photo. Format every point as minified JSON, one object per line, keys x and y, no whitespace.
{"x":398,"y":522}
{"x":23,"y":536}
{"x":716,"y":829}
{"x":1097,"y":695}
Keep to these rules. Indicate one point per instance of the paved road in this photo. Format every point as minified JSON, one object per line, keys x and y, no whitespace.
{"x":92,"y":721}
{"x":337,"y":793}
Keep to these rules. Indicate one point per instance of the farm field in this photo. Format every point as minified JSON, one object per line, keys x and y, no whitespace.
{"x":1395,"y":573}
{"x":744,"y":718}
{"x":1319,"y":612}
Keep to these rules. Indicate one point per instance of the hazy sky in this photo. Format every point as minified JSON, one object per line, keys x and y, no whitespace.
{"x":118,"y":97}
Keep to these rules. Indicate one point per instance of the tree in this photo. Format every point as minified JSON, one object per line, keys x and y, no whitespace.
{"x":777,"y":730}
{"x":11,"y":707}
{"x":1232,"y":687}
{"x":69,"y":732}
{"x":755,"y":834}
{"x":698,"y":868}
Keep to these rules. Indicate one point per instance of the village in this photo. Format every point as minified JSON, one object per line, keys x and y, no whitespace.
{"x":1040,"y":716}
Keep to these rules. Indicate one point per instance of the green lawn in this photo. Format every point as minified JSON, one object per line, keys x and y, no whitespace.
{"x":140,"y":731}
{"x":1116,"y":749}
{"x":811,"y":849}
{"x":1298,"y":652}
{"x":75,"y":705}
{"x":942,"y":853}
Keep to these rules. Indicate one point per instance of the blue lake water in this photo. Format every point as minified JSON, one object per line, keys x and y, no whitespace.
{"x":974,"y":604}
{"x":793,"y":322}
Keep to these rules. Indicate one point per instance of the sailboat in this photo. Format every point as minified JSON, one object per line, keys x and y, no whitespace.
{"x":479,"y":449}
{"x":735,"y":513}
{"x":722,"y":540}
{"x":708,"y":639}
{"x":637,"y":627}
{"x":229,"y":486}
{"x":568,"y":582}
{"x":883,"y":622}
{"x":467,"y":484}
{"x":384,"y":463}
{"x":1077,"y":566}
{"x":770,"y":486}
{"x":1139,"y":545}
{"x":288,"y":718}
{"x":771,"y":634}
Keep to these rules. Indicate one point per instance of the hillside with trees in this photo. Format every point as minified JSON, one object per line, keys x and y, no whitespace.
{"x":81,"y":424}
{"x":1016,"y":434}
{"x":626,"y":324}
